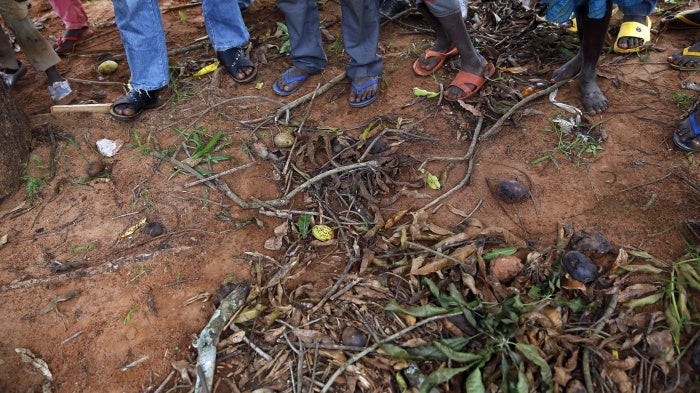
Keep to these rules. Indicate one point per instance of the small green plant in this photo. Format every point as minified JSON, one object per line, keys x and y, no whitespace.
{"x":144,"y":146}
{"x":282,"y":34}
{"x":496,"y":329}
{"x":143,"y":197}
{"x":142,"y":270}
{"x":303,"y":223}
{"x":73,"y":250}
{"x":682,"y":100}
{"x":203,"y":148}
{"x":181,"y":16}
{"x":33,"y":184}
{"x":127,"y":317}
{"x":180,"y":89}
{"x":178,"y":279}
{"x":574,"y":141}
{"x":336,"y":48}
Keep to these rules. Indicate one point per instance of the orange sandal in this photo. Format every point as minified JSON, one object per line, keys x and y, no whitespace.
{"x":431,"y":53}
{"x":464,"y":79}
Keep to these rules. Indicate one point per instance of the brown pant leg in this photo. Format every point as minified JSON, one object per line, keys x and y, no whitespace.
{"x":37,"y":49}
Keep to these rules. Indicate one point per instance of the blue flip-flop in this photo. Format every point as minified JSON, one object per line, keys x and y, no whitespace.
{"x":696,"y":132}
{"x":287,"y":81}
{"x":358,"y":89}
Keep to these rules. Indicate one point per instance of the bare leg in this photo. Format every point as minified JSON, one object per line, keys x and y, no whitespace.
{"x":469,"y":59}
{"x":592,"y":36}
{"x":442,"y":42}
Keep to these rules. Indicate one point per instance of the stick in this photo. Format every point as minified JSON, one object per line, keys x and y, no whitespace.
{"x":216,"y":176}
{"x":467,"y":176}
{"x":303,"y":99}
{"x":517,"y":106}
{"x":106,"y":267}
{"x":318,"y":177}
{"x":93,"y":108}
{"x":206,"y":343}
{"x":376,"y":345}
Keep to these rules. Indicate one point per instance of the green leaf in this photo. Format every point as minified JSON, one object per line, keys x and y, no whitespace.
{"x":398,"y":352}
{"x":401,"y":381}
{"x":303,"y":223}
{"x":498,"y":252}
{"x":432,"y":181}
{"x":427,"y":310}
{"x":418,"y":92}
{"x":438,"y":377}
{"x":532,"y":354}
{"x":474,"y":384}
{"x":455,"y":355}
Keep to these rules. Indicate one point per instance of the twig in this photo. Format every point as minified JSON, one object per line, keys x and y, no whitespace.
{"x":431,"y":251}
{"x":647,"y":183}
{"x":469,"y":152}
{"x":303,"y":99}
{"x":306,"y":184}
{"x":335,"y":286}
{"x":165,"y":382}
{"x":376,"y":345}
{"x":216,"y":176}
{"x":517,"y":106}
{"x":72,"y":337}
{"x":255,"y":348}
{"x":596,"y":329}
{"x":182,"y":166}
{"x":135,"y":363}
{"x":106,"y":267}
{"x":472,"y":155}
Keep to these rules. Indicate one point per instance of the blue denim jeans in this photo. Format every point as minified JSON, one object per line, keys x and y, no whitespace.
{"x":359,"y":25}
{"x":141,"y":29}
{"x":643,"y":8}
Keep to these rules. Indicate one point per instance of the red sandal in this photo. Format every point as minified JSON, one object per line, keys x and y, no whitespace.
{"x":464,"y":79}
{"x":430,"y":54}
{"x":70,"y":39}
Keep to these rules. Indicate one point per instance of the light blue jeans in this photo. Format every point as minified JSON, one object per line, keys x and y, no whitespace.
{"x":141,"y":29}
{"x":643,"y":8}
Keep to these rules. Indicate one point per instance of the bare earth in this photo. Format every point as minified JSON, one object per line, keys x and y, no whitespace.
{"x":132,"y":288}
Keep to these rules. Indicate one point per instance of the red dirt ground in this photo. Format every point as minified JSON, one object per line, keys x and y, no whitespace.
{"x":635,"y":192}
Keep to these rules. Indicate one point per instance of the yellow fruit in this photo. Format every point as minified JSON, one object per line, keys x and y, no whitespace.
{"x":283,"y":140}
{"x":107,"y":67}
{"x":322,"y":232}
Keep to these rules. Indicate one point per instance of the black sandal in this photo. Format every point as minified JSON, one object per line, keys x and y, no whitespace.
{"x":139,"y":100}
{"x":235,"y":61}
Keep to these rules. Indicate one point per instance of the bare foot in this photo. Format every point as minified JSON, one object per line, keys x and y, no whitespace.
{"x":363,"y":91}
{"x":592,"y":97}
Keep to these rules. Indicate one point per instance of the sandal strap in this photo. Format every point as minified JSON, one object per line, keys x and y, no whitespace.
{"x":234,"y":59}
{"x":694,"y":125}
{"x":139,"y":99}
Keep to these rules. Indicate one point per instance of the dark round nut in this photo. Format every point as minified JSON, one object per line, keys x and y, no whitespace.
{"x":512,"y":191}
{"x":154,"y":229}
{"x":580,"y":267}
{"x":376,"y":146}
{"x":95,"y":168}
{"x":588,"y":243}
{"x":353,"y":337}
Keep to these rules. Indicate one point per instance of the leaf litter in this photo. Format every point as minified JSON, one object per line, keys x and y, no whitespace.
{"x":425,"y":308}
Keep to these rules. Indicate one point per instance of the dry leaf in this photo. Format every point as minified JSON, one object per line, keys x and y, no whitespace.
{"x":635,"y":291}
{"x":275,"y":243}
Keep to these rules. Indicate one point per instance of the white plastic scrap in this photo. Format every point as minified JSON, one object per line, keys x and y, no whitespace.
{"x":108,"y":147}
{"x":566,"y":125}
